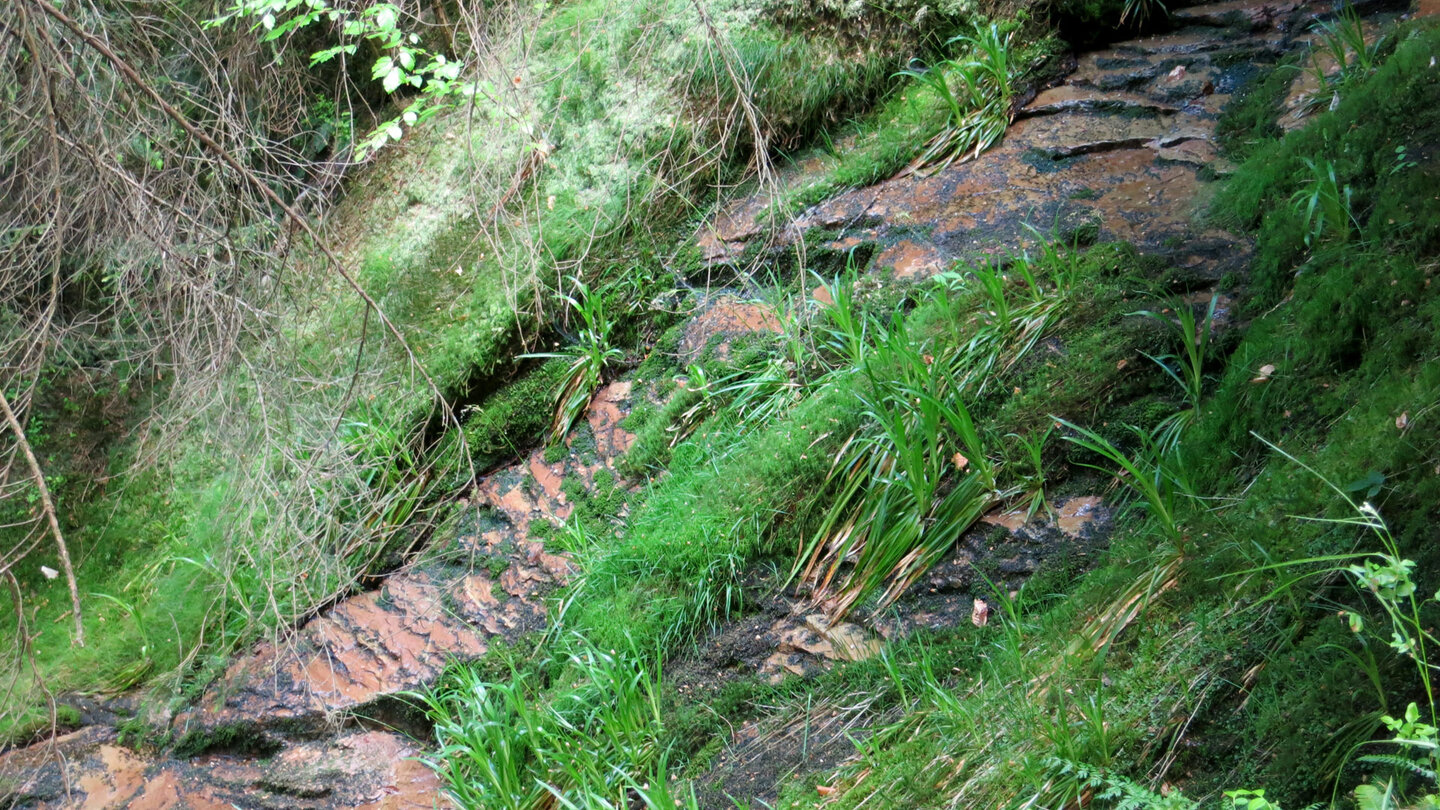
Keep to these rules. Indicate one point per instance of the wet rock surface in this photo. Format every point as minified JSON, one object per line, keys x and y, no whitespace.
{"x":787,"y":634}
{"x":303,"y":722}
{"x":89,"y":769}
{"x":1122,"y":149}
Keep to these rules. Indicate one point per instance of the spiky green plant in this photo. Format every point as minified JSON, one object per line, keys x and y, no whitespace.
{"x":589,"y":743}
{"x":1343,"y":40}
{"x":591,"y":354}
{"x":1138,"y":11}
{"x":894,"y":512}
{"x":1325,"y":205}
{"x":1031,"y":484}
{"x":977,"y":93}
{"x":1186,"y":367}
{"x":1154,"y":474}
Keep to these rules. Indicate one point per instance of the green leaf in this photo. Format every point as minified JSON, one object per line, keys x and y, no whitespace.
{"x":385,"y":17}
{"x":1370,"y":484}
{"x":1357,"y":624}
{"x":393,"y":79}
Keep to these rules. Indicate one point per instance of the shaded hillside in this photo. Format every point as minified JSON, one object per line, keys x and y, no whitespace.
{"x":797,"y":439}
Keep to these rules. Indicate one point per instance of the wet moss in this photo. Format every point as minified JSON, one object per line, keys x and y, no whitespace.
{"x":1394,"y":113}
{"x":515,"y":417}
{"x":244,"y":738}
{"x":1251,"y":120}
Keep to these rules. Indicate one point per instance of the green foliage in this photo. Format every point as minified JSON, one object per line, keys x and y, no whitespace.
{"x":979,"y":109}
{"x":801,"y":84}
{"x":1188,"y":370}
{"x":890,"y":513}
{"x":589,"y":356}
{"x":595,"y":742}
{"x":728,"y":497}
{"x":404,"y":63}
{"x":1085,"y":22}
{"x":1114,"y":790}
{"x":1251,"y":120}
{"x":1154,"y":475}
{"x":1354,"y":147}
{"x":1343,"y":41}
{"x":1032,"y":484}
{"x":1324,"y":206}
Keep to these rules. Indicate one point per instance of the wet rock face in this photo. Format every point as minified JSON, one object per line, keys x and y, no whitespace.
{"x":1123,"y":149}
{"x":490,"y":587}
{"x":719,"y":320}
{"x":278,"y":730}
{"x":788,"y":635}
{"x":88,"y":769}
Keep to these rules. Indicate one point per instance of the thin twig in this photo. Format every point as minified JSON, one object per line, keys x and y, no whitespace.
{"x":48,"y":507}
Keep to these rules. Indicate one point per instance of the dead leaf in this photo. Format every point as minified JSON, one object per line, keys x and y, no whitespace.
{"x":824,"y":790}
{"x":979,"y":613}
{"x":1121,"y":365}
{"x":960,"y":461}
{"x":1265,"y":372}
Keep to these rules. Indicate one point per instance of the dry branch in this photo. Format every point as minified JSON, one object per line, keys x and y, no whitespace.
{"x":48,"y":507}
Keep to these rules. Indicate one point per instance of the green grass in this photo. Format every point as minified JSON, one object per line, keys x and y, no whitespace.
{"x":624,"y":151}
{"x":882,"y":143}
{"x":1203,"y":650}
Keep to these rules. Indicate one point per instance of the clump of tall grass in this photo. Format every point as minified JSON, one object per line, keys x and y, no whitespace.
{"x":1324,"y":204}
{"x":594,"y":743}
{"x":1186,"y":367}
{"x":977,"y":95}
{"x":905,"y":487}
{"x":591,"y":354}
{"x":893,"y":512}
{"x":1155,"y":474}
{"x":1343,"y":41}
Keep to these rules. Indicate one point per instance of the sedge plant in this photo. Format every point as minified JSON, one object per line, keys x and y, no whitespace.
{"x":977,"y":95}
{"x":1324,"y":205}
{"x":895,"y":510}
{"x":1186,"y":367}
{"x":591,"y":354}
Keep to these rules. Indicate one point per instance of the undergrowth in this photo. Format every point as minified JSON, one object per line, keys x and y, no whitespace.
{"x":317,"y":467}
{"x":1202,"y":660}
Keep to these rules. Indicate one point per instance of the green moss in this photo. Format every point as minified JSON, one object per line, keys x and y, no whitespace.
{"x":509,"y":421}
{"x":237,"y":738}
{"x":1398,"y":107}
{"x":1251,"y":120}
